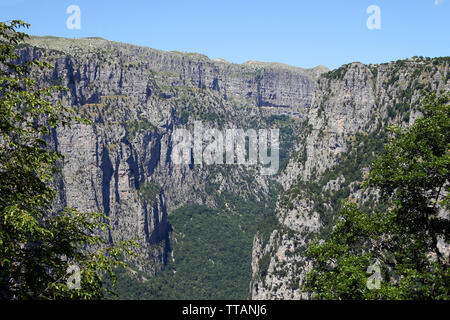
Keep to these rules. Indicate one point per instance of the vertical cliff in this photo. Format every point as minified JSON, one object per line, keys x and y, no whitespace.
{"x":346,"y":126}
{"x":136,"y":97}
{"x":331,"y":124}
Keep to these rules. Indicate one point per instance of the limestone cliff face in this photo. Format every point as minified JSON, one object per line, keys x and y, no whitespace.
{"x":96,"y":67}
{"x":136,"y":97}
{"x":350,"y":108}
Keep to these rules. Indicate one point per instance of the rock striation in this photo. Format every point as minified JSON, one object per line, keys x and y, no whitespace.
{"x":333,"y":123}
{"x":346,"y":126}
{"x":136,"y":97}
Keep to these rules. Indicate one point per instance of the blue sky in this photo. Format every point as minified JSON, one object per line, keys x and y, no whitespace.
{"x":301,"y":33}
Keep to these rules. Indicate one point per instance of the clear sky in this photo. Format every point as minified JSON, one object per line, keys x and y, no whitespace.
{"x":304,"y":33}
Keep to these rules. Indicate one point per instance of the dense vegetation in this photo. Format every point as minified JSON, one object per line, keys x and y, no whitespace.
{"x":412,"y":176}
{"x":363,"y":149}
{"x":211,"y":252}
{"x":43,"y":255}
{"x":210,"y":247}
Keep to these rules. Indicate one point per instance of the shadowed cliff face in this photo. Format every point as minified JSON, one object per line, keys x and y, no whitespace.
{"x":351,"y":109}
{"x":332,"y":124}
{"x":136,"y":97}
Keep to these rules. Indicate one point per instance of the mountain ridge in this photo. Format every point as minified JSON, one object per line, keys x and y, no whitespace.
{"x":45,"y":40}
{"x":137,"y":97}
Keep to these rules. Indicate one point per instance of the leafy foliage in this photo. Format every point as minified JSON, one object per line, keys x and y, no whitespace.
{"x":36,"y":246}
{"x":136,"y":126}
{"x":361,"y":153}
{"x":412,"y":176}
{"x":149,"y":191}
{"x":211,"y":252}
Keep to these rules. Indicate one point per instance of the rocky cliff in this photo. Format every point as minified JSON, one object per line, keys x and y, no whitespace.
{"x":136,"y":97}
{"x":331,"y":125}
{"x":351,"y":108}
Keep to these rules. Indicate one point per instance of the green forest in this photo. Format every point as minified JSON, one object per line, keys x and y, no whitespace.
{"x":211,"y":250}
{"x":399,"y":228}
